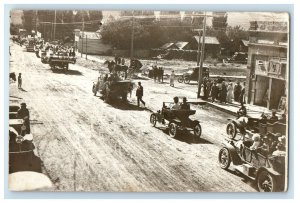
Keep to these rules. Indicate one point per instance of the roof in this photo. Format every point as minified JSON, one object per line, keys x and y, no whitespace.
{"x":167,"y":45}
{"x":208,"y":40}
{"x":91,"y":35}
{"x":181,"y":45}
{"x":245,"y":42}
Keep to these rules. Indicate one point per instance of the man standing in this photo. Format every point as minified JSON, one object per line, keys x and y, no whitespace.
{"x":23,"y":113}
{"x":237,"y":91}
{"x":242,"y":95}
{"x":20,"y":81}
{"x":139,"y":94}
{"x":214,"y":92}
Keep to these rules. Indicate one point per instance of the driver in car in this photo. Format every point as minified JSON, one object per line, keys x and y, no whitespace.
{"x":184,"y":105}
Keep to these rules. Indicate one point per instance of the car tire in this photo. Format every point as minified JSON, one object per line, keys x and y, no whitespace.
{"x":173,"y":130}
{"x":231,"y":130}
{"x":224,"y":158}
{"x":187,"y":80}
{"x":197,"y":130}
{"x":267,"y":182}
{"x":180,"y":79}
{"x":153,"y":119}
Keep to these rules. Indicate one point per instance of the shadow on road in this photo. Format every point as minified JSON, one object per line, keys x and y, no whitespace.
{"x":119,"y":104}
{"x":22,"y":89}
{"x":69,"y":72}
{"x":186,"y":137}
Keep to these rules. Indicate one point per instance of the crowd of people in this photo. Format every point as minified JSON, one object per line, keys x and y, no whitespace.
{"x":157,"y":73}
{"x":224,"y":92}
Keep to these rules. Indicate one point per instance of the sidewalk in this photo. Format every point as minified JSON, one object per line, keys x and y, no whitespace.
{"x":253,"y":111}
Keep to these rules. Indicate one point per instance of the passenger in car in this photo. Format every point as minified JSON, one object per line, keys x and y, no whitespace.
{"x":176,"y":105}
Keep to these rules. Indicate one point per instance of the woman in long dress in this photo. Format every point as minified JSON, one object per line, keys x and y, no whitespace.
{"x":172,"y":79}
{"x":229,"y":93}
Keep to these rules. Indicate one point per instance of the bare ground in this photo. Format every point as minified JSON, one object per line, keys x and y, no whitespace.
{"x":88,"y":145}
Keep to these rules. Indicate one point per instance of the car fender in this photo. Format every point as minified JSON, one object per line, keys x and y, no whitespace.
{"x":235,"y":158}
{"x":270,"y":170}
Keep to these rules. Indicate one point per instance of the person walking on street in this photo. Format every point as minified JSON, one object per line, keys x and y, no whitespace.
{"x":172,"y":79}
{"x":20,"y":81}
{"x":229,"y":93}
{"x":139,"y":94}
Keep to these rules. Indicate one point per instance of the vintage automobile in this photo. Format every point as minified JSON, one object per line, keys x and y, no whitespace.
{"x":61,"y":60}
{"x":253,"y":125}
{"x":193,"y":74}
{"x":111,"y":86}
{"x":266,"y":169}
{"x":177,"y":120}
{"x":21,"y":148}
{"x":30,"y":46}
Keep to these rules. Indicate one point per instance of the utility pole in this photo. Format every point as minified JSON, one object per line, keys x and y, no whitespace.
{"x":82,"y":31}
{"x":54,"y":28}
{"x":85,"y":47}
{"x":36,"y":22}
{"x":202,"y":55}
{"x":132,"y":35}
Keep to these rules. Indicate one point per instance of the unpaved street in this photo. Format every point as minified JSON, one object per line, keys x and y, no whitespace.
{"x":88,"y":145}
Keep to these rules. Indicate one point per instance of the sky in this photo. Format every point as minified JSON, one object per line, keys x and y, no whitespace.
{"x":234,"y":18}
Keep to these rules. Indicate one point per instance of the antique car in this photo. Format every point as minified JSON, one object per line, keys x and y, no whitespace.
{"x":176,"y":120}
{"x":263,"y":167}
{"x":61,"y":60}
{"x":253,"y":125}
{"x":193,"y":74}
{"x":21,"y":148}
{"x":30,"y":46}
{"x":110,"y":86}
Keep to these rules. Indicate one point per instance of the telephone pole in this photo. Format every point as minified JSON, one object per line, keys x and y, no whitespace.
{"x":82,"y":31}
{"x":132,"y":35}
{"x":54,"y":28}
{"x":202,"y":55}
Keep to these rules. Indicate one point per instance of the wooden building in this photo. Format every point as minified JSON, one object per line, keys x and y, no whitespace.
{"x":267,"y":68}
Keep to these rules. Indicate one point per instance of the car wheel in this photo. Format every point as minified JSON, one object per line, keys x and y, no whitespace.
{"x":224,"y":158}
{"x":153,"y":119}
{"x":180,"y":79}
{"x":172,"y":130}
{"x":266,"y":182}
{"x":187,"y":80}
{"x":231,"y":130}
{"x":197,"y":130}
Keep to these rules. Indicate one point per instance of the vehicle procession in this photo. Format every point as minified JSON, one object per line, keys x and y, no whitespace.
{"x":122,"y":124}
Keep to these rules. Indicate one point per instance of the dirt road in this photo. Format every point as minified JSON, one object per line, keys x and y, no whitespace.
{"x":88,"y":145}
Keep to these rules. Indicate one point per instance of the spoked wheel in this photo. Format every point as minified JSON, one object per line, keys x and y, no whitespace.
{"x":197,"y":131}
{"x":187,"y":80}
{"x":153,"y":119}
{"x":266,"y":182}
{"x":231,"y":130}
{"x":173,"y":130}
{"x":224,"y":158}
{"x":180,"y":79}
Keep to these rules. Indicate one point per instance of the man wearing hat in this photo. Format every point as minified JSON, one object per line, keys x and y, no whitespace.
{"x":184,"y":105}
{"x":23,"y":113}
